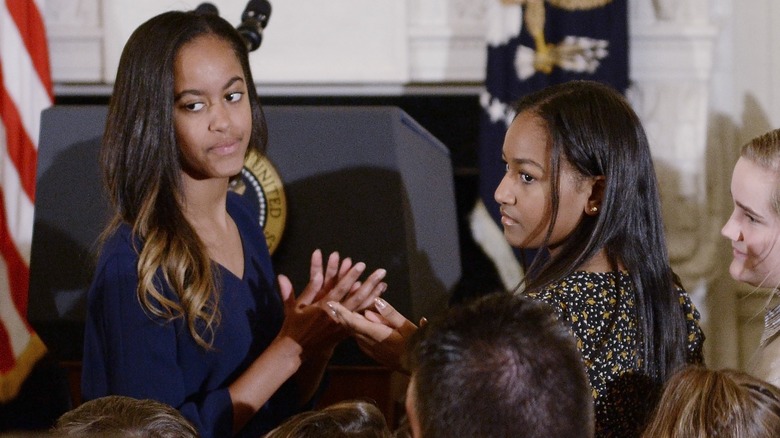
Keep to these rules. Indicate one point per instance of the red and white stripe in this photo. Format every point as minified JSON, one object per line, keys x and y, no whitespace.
{"x":25,"y":90}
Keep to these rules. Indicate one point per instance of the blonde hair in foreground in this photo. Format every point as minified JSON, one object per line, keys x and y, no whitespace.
{"x":702,"y":403}
{"x":764,"y":150}
{"x":124,"y":417}
{"x":347,"y":419}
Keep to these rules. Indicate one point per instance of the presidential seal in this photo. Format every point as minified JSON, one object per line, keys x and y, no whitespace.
{"x":260,"y":185}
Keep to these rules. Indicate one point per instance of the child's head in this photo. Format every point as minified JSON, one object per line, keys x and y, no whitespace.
{"x":346,"y":419}
{"x":503,"y":365}
{"x":141,"y":155}
{"x":754,"y":225}
{"x":580,"y":177}
{"x":124,"y":417}
{"x":700,"y":402}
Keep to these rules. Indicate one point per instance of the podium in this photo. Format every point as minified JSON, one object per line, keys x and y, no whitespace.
{"x":369,"y":182}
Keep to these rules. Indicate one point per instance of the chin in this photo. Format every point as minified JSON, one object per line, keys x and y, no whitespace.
{"x":737,"y":272}
{"x":231,"y":170}
{"x":513,"y":242}
{"x":740,"y":273}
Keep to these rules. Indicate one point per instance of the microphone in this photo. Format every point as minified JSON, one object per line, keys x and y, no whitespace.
{"x":253,"y":21}
{"x":206,"y":8}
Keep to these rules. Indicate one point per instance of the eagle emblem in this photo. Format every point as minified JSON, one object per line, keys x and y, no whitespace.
{"x":578,"y":54}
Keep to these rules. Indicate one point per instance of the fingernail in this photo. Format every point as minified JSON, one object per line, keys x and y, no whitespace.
{"x":360,"y":266}
{"x":380,"y":303}
{"x":381,"y":273}
{"x":332,"y":307}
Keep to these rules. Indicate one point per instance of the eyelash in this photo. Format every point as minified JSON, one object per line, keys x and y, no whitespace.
{"x":192,"y":106}
{"x":240,"y":94}
{"x":526,"y":178}
{"x":232,"y":97}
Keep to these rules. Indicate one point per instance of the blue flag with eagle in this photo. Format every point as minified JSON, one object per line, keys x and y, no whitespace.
{"x":533,"y":44}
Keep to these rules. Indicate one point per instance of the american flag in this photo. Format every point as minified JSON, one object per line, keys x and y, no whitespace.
{"x":25,"y":90}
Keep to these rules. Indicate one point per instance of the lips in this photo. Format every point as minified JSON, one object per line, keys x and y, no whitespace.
{"x":226,"y":147}
{"x":737,"y":253}
{"x":506,"y":219}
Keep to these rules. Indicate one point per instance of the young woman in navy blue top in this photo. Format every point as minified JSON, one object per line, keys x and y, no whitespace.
{"x":183,"y":307}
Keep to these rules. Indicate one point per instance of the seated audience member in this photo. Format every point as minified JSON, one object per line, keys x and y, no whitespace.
{"x":502,"y":366}
{"x":347,"y":419}
{"x":703,"y":403}
{"x":124,"y":417}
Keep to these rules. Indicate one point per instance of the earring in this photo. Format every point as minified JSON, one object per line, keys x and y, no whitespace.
{"x":594,"y":209}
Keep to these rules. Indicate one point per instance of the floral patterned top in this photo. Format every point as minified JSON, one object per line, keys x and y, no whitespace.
{"x":599,"y":309}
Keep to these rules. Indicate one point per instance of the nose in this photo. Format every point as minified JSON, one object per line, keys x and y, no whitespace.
{"x":220,"y":119}
{"x":731,"y":230}
{"x":503,"y":195}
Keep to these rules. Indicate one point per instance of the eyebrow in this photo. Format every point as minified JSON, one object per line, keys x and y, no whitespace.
{"x":748,"y":210}
{"x":525,"y":161}
{"x":195,"y":92}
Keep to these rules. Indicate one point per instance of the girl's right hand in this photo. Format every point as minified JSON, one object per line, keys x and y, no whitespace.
{"x":306,"y":317}
{"x":305,"y":323}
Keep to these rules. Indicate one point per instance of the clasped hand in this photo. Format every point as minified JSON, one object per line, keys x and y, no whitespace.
{"x":306,"y":317}
{"x":382,"y":333}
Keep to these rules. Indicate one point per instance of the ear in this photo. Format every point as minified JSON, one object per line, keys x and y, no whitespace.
{"x":597,"y":186}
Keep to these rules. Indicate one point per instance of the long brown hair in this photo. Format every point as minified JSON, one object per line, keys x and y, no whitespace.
{"x":345,"y":419}
{"x":142,"y":169}
{"x":703,"y":403}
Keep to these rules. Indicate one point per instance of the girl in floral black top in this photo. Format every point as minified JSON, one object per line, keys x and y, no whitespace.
{"x":580,"y":187}
{"x":600,"y":309}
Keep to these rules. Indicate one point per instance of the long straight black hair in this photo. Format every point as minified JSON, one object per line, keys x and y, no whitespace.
{"x":142,"y":170}
{"x":592,"y":126}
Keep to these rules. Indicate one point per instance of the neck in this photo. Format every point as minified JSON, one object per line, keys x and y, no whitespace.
{"x":205,"y":201}
{"x":600,"y":263}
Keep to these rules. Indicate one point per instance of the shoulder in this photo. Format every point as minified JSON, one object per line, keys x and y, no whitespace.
{"x":116,"y":277}
{"x":240,"y":209}
{"x":689,"y":309}
{"x":695,"y":337}
{"x":247,"y":218}
{"x":686,"y":302}
{"x":120,"y":249}
{"x":586,"y":283}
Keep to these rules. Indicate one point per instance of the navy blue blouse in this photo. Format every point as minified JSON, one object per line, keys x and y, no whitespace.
{"x":129,"y":352}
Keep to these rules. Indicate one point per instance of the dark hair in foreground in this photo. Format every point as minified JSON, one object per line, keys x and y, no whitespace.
{"x":142,"y":169}
{"x":704,"y":403}
{"x":124,"y":417}
{"x":501,"y":366}
{"x":347,"y":419}
{"x":594,"y":128}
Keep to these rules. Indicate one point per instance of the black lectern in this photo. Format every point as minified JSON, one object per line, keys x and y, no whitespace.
{"x":367,"y":181}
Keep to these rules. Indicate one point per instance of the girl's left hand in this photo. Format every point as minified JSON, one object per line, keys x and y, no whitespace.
{"x":382,"y":333}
